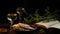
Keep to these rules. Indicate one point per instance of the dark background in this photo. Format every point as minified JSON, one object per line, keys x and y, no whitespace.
{"x":29,"y":5}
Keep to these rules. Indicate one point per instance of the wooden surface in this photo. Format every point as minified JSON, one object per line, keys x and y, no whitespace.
{"x":6,"y":31}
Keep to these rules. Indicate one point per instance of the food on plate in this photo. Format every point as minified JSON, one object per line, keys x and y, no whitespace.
{"x":22,"y":26}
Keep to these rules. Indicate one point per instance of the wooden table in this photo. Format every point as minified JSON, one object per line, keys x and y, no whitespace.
{"x":6,"y":31}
